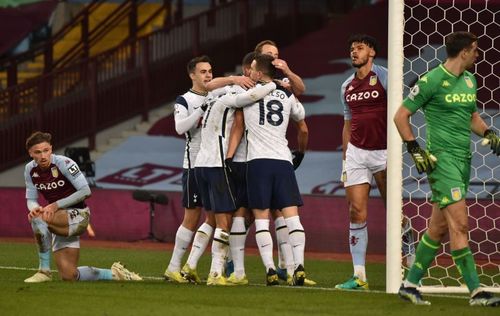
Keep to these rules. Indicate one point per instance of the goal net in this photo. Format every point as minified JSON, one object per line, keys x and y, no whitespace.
{"x":426,"y":24}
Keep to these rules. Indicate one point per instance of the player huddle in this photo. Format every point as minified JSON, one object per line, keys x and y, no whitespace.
{"x":238,"y":167}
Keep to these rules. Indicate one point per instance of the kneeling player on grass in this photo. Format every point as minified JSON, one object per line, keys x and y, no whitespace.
{"x":60,"y":223}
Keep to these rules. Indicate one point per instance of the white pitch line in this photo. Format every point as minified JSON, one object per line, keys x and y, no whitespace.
{"x":309,"y":288}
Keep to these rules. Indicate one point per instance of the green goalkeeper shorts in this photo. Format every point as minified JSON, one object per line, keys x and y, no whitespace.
{"x":450,"y":180}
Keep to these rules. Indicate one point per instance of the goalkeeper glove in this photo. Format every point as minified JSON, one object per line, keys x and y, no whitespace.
{"x":424,"y":161}
{"x":343,"y":176}
{"x":490,"y":137}
{"x":297,"y":159}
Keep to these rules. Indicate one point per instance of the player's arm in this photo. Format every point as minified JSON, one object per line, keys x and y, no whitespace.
{"x":31,"y":196}
{"x":296,"y":83}
{"x":183,"y":120}
{"x":479,"y":127}
{"x":236,"y":134}
{"x":346,"y":136}
{"x":402,"y":121}
{"x":302,"y":140}
{"x":248,"y":97}
{"x":298,"y":114}
{"x":346,"y":129}
{"x":219,"y":82}
{"x":424,"y":161}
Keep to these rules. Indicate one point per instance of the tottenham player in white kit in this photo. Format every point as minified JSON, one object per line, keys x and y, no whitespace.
{"x":364,"y":143}
{"x":188,"y":113}
{"x":214,"y":180}
{"x":271,"y":181}
{"x":59,"y":224}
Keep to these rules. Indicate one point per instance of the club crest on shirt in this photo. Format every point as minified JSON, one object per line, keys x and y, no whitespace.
{"x":373,"y":80}
{"x":468,"y":82}
{"x":456,"y":194}
{"x":55,"y":172}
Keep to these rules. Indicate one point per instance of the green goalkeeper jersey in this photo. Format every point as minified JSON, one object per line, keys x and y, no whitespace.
{"x":448,"y":102}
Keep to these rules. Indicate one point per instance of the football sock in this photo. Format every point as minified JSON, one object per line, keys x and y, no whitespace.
{"x":297,"y":239}
{"x":86,"y":273}
{"x":426,"y":251}
{"x":182,"y":240}
{"x":220,"y":247}
{"x":44,"y":242}
{"x":264,"y":242}
{"x":200,"y":243}
{"x":237,"y":245}
{"x":358,"y":242}
{"x":285,"y":254}
{"x":467,"y":267}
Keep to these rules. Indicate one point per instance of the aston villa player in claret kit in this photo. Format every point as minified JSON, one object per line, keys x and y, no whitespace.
{"x":364,"y":145}
{"x":59,"y":224}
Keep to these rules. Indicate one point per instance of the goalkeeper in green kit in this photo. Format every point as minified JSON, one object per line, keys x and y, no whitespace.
{"x":447,"y":96}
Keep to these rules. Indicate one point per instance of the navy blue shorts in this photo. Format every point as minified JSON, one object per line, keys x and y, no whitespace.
{"x":240,"y":183}
{"x":216,"y":189}
{"x":271,"y":184}
{"x":190,"y":193}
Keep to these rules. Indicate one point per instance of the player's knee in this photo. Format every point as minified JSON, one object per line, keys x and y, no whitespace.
{"x":357,"y":213}
{"x":69,"y":274}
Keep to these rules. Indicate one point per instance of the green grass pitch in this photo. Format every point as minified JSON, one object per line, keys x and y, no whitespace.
{"x":157,"y":297}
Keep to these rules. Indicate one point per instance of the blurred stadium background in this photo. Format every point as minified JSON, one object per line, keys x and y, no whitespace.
{"x":103,"y":75}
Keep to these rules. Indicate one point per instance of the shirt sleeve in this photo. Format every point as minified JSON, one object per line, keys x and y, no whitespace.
{"x":31,"y":191}
{"x":71,"y":172}
{"x":419,"y":95}
{"x":382,"y":75}
{"x":297,"y":112}
{"x":347,"y":111}
{"x":183,"y":120}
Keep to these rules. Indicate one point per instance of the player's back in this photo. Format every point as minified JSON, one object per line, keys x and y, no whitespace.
{"x":266,"y":122}
{"x":215,"y":129}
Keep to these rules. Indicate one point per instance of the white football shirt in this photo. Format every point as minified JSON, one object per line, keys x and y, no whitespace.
{"x":187,"y":116}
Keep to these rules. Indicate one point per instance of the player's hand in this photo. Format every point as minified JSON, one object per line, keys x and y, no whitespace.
{"x":490,"y":137}
{"x":48,"y":212}
{"x":297,"y":159}
{"x":343,"y":176}
{"x":243,"y":81}
{"x":424,"y":161}
{"x":35,"y":213}
{"x":228,"y":165}
{"x":281,"y":65}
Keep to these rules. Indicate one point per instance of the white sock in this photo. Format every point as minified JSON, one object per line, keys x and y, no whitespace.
{"x":284,"y":248}
{"x":182,"y":240}
{"x":358,"y":242}
{"x":44,"y":241}
{"x":220,"y":247}
{"x":297,"y":239}
{"x":200,"y":243}
{"x":264,"y":242}
{"x":237,"y":245}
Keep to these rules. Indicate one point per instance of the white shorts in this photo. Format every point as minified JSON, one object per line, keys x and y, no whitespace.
{"x":361,"y":164}
{"x":78,"y":220}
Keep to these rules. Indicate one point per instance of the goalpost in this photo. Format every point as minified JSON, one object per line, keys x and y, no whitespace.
{"x":417,"y":29}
